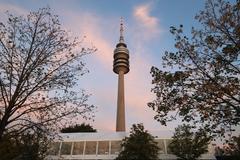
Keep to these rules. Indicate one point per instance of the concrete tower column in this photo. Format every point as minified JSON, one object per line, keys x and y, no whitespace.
{"x":120,"y":124}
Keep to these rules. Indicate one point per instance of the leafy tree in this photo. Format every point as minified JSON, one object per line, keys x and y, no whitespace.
{"x":234,"y":147}
{"x":139,"y":145}
{"x":204,"y":87}
{"x":26,"y":146}
{"x":39,"y":66}
{"x":230,"y":151}
{"x":189,"y":145}
{"x":78,"y":128}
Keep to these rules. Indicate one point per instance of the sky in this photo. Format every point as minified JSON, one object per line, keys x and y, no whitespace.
{"x":146,"y":32}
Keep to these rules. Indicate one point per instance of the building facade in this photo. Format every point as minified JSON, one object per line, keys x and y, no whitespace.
{"x":104,"y":146}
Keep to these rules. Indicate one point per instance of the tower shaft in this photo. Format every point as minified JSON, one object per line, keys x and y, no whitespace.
{"x":121,"y":67}
{"x":120,"y":123}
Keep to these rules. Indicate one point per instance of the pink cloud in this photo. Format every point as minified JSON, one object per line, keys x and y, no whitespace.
{"x":142,"y":15}
{"x":138,"y":82}
{"x":94,"y":35}
{"x":146,"y":24}
{"x":89,"y":26}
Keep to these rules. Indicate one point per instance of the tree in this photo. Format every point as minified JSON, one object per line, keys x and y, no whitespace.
{"x":204,"y":87}
{"x":233,"y":147}
{"x":26,"y":146}
{"x":39,"y":67}
{"x":139,"y":145}
{"x":230,"y":151}
{"x":78,"y":128}
{"x":189,"y":145}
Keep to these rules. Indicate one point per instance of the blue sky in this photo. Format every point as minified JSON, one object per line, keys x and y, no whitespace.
{"x":146,"y":34}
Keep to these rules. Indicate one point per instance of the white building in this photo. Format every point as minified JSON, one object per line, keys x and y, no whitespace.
{"x":104,"y":146}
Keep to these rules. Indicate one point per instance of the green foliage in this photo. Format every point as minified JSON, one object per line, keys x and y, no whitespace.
{"x":39,"y":70}
{"x":78,"y":128}
{"x":28,"y":146}
{"x":139,"y":145}
{"x":189,"y":145}
{"x":205,"y":88}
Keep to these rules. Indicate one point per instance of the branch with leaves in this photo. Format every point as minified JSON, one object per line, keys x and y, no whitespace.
{"x":205,"y":89}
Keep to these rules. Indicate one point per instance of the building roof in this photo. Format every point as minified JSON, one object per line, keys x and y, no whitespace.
{"x":96,"y":136}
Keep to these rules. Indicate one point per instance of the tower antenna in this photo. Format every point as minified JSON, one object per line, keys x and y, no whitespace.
{"x":121,"y":39}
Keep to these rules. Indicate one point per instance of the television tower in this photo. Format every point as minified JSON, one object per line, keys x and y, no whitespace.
{"x":121,"y":67}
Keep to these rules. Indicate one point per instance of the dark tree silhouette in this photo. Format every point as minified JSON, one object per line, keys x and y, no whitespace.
{"x":187,"y":144}
{"x":229,"y":151}
{"x":27,"y":146}
{"x":139,"y":145}
{"x":205,"y":88}
{"x":78,"y":128}
{"x":39,"y":67}
{"x":233,"y":147}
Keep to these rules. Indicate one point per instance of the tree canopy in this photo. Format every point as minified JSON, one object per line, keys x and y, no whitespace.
{"x":187,"y":144}
{"x":139,"y":145}
{"x":78,"y":128}
{"x":27,"y":146}
{"x":233,"y":147}
{"x":204,"y":85}
{"x":229,"y":151}
{"x":40,"y":64}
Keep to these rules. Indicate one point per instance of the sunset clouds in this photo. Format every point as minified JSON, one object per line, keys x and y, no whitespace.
{"x":91,"y":27}
{"x":148,"y":23}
